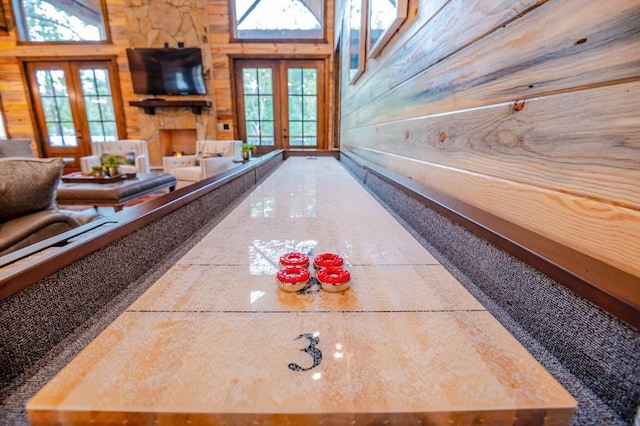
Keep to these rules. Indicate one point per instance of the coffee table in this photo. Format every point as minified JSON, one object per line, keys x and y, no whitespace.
{"x":76,"y":189}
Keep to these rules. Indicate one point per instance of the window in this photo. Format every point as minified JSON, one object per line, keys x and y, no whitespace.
{"x":302,"y":85}
{"x":356,"y":48}
{"x":385,"y":17}
{"x":60,"y":20}
{"x":278,"y":19}
{"x":258,"y":101}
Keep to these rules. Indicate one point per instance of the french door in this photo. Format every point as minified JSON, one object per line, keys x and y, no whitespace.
{"x":281,"y":103}
{"x":75,"y":103}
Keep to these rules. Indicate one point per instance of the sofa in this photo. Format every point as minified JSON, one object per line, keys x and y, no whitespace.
{"x":16,"y":148}
{"x":28,"y":209}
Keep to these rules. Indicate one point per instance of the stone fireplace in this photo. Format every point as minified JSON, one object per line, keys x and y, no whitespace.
{"x":178,"y":141}
{"x":158,"y":23}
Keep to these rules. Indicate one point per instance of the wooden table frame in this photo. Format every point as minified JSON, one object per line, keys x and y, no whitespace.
{"x":93,"y":193}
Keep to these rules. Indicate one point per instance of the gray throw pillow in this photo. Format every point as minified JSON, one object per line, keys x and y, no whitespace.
{"x":201,"y":155}
{"x":28,"y":185}
{"x":15,"y":148}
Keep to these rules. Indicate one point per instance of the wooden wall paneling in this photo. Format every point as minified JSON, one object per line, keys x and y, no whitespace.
{"x":585,"y":143}
{"x":222,"y":86}
{"x":12,"y":86}
{"x":540,"y":53}
{"x":14,"y":101}
{"x":441,"y":28}
{"x":604,"y":231}
{"x":120,"y":35}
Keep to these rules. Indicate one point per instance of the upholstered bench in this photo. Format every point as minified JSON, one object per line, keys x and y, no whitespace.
{"x":114,"y":193}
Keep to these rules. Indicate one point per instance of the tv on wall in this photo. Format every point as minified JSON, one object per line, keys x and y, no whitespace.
{"x":166,"y":71}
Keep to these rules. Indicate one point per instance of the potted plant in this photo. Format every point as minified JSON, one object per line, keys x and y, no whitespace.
{"x":247,"y":150}
{"x":97,"y":171}
{"x":111,"y":165}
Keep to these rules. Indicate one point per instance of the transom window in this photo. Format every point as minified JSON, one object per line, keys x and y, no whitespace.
{"x":278,"y":19}
{"x":60,"y":20}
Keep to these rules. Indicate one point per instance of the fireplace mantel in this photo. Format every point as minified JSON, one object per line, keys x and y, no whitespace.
{"x":149,"y":105}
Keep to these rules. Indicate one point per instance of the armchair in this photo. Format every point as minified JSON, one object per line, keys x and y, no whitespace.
{"x":212,"y":157}
{"x":133,"y":151}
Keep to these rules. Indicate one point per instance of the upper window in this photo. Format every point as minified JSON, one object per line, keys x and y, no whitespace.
{"x":60,"y":20}
{"x":278,"y":19}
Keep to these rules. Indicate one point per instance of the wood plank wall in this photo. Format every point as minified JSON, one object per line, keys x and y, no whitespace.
{"x":526,"y":109}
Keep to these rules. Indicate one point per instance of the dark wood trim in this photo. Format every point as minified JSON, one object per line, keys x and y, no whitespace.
{"x":4,"y":21}
{"x":612,"y":289}
{"x":149,"y":105}
{"x":71,"y":248}
{"x":302,"y":152}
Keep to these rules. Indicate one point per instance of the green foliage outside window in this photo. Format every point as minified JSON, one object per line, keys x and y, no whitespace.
{"x":50,"y":21}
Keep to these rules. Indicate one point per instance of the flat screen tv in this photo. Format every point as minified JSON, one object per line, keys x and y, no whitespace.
{"x":166,"y":71}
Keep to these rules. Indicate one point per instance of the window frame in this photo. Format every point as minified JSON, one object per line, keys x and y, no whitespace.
{"x":4,"y":134}
{"x":376,"y":47}
{"x":21,"y":28}
{"x":361,"y":42}
{"x":233,"y":31}
{"x":4,"y":21}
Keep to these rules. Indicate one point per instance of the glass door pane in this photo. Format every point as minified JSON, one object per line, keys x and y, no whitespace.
{"x":303,"y":107}
{"x":54,"y":97}
{"x":75,"y":104}
{"x":98,"y":103}
{"x":257,"y":84}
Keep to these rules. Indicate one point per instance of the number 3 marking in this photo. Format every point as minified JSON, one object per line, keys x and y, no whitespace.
{"x":315,"y":353}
